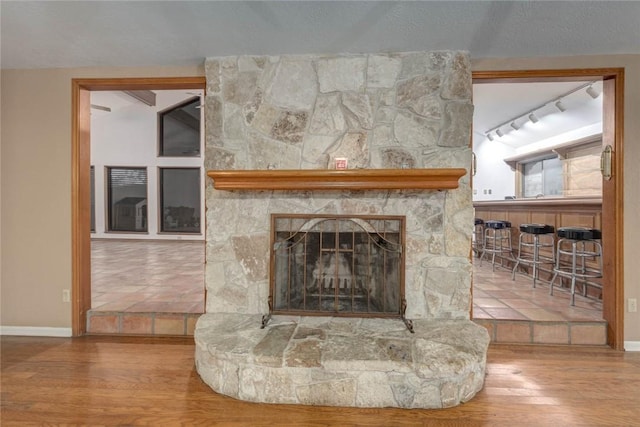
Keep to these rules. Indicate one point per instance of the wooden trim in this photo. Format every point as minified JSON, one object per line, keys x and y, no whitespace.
{"x":81,"y":209}
{"x":613,"y":79}
{"x":321,"y":179}
{"x":80,"y":178}
{"x":142,"y":83}
{"x":612,"y":210}
{"x":519,"y":76}
{"x":526,"y":204}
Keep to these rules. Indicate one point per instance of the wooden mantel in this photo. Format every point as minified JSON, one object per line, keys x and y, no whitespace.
{"x":330,"y":179}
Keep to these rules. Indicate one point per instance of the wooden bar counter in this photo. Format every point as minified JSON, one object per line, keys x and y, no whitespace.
{"x":558,"y":212}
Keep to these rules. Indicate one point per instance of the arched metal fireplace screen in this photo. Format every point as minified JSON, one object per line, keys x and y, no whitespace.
{"x":337,"y":265}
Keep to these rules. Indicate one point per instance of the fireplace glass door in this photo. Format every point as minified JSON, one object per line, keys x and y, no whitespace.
{"x":337,"y":265}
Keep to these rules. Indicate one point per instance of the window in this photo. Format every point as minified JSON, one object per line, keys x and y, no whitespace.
{"x":180,"y":200}
{"x":179,"y":130}
{"x":570,"y":170}
{"x":542,"y":178}
{"x":127,"y":199}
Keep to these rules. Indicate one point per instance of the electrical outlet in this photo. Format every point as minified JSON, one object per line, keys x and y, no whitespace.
{"x":66,"y":295}
{"x":632,"y":305}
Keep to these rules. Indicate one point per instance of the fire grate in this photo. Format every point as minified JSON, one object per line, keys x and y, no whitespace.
{"x":337,"y":265}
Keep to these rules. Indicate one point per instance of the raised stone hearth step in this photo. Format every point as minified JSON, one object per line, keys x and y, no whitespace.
{"x":342,"y":361}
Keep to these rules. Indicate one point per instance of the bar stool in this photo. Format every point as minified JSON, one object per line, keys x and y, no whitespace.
{"x":580,"y":244}
{"x":478,"y":236}
{"x":534,"y":237}
{"x":497,"y":241}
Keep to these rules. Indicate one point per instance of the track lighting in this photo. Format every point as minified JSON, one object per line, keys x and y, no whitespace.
{"x":542,"y":108}
{"x":592,"y":92}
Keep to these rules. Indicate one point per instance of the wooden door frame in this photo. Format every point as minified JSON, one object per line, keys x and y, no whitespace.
{"x":80,"y":178}
{"x":612,"y":134}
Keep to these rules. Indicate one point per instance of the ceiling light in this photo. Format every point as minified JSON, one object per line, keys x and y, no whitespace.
{"x":499,"y":133}
{"x":533,"y":118}
{"x":490,"y":136}
{"x":560,"y":106}
{"x":515,"y":125}
{"x":592,"y":92}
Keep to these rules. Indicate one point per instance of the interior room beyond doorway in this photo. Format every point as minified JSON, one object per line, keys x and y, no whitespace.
{"x":536,"y":142}
{"x":147,"y":205}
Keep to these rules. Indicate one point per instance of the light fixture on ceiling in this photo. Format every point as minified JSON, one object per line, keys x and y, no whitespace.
{"x":557,"y":102}
{"x":489,"y":136}
{"x":592,"y":92}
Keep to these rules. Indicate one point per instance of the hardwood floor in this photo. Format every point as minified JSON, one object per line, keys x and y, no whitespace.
{"x":152,"y":381}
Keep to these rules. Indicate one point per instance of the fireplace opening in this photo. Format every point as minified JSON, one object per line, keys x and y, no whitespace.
{"x":338,"y":265}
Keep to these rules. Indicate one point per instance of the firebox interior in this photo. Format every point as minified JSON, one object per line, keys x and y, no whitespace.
{"x":337,"y":265}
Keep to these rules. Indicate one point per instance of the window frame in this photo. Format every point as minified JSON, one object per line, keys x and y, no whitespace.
{"x":522,"y":180}
{"x":109,"y":198}
{"x":160,"y":228}
{"x":162,"y":114}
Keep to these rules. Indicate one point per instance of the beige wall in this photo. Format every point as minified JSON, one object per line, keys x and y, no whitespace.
{"x":36,"y":181}
{"x":36,"y":189}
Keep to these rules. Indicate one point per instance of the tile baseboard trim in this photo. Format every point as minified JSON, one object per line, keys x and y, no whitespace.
{"x":35,"y":331}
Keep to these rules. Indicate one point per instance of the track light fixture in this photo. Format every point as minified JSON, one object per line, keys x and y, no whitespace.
{"x":557,"y":102}
{"x":592,"y":92}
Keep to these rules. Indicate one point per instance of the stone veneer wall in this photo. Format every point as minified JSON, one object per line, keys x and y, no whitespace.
{"x":300,"y":112}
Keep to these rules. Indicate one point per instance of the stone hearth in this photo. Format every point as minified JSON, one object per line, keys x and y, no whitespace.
{"x":395,"y":111}
{"x":342,"y":361}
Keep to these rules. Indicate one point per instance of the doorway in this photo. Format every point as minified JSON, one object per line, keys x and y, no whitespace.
{"x":81,"y":183}
{"x":612,"y":87}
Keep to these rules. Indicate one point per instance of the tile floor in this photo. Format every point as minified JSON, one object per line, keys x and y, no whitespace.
{"x":156,"y":287}
{"x":146,"y":287}
{"x":497,"y":296}
{"x":513,"y":311}
{"x":147,"y":276}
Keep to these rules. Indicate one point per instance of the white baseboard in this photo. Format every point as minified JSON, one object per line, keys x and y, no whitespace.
{"x":632,"y":345}
{"x":35,"y":331}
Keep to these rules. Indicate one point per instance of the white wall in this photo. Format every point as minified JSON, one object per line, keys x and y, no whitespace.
{"x":128,"y":136}
{"x":494,"y":179}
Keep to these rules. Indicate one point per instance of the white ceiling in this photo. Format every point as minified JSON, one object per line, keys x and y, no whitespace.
{"x":50,"y":34}
{"x":497,"y":103}
{"x":44,"y":34}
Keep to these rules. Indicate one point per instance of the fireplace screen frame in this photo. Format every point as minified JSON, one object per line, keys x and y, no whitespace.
{"x":300,"y":225}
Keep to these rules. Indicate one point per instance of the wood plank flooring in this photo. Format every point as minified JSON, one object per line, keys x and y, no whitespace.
{"x":152,"y":381}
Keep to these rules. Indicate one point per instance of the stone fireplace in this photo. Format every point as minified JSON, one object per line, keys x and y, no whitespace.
{"x":394,"y":117}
